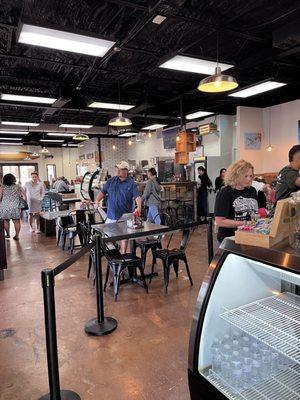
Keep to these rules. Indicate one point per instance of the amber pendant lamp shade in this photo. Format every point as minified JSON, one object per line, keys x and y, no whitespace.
{"x":218,"y":83}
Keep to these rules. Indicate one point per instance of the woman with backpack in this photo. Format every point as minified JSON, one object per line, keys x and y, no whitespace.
{"x":151,"y":196}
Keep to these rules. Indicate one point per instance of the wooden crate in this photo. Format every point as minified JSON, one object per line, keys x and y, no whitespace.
{"x":185,"y":142}
{"x":279,"y":231}
{"x":181,"y":157}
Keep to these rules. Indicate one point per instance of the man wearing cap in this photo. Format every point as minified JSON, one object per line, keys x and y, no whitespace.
{"x":121,"y":191}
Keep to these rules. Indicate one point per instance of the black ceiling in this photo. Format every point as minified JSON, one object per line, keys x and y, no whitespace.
{"x":261,"y":39}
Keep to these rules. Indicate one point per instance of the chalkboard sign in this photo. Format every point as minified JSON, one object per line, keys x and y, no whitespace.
{"x":169,"y":137}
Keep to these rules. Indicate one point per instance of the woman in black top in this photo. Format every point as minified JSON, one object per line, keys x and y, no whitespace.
{"x":219,"y":182}
{"x":203,"y":183}
{"x":236,"y":201}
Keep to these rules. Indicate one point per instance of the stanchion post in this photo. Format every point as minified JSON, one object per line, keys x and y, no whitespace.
{"x":101,"y":325}
{"x":210,"y":244}
{"x":55,"y":393}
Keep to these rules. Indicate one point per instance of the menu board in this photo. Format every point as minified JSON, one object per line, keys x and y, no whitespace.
{"x":169,"y":137}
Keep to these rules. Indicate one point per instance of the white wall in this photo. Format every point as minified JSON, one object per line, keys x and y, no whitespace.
{"x":283,"y":134}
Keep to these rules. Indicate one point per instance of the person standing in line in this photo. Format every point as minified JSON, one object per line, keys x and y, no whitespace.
{"x":151,"y":196}
{"x":288,"y":179}
{"x":121,"y":191}
{"x":236,"y":201}
{"x":35,"y":192}
{"x":219,"y":182}
{"x":10,"y":207}
{"x":203,"y":183}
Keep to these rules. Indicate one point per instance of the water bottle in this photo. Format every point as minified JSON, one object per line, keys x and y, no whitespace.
{"x":225,"y":339}
{"x":256,"y":368}
{"x":225,"y":361}
{"x":246,"y":367}
{"x":246,"y":340}
{"x":266,"y":362}
{"x":236,"y":370}
{"x":235,"y":344}
{"x":216,"y":356}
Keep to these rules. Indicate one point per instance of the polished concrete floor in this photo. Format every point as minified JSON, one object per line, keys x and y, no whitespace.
{"x":144,"y":359}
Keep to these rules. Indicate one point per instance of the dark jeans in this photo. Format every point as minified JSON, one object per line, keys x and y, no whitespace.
{"x":202,"y":204}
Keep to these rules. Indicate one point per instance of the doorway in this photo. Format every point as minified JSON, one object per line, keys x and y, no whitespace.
{"x":22,"y":172}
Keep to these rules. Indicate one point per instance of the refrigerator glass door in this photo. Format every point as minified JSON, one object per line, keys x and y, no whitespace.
{"x":250,"y":339}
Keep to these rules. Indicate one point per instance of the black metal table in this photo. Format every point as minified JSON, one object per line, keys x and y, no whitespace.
{"x":112,"y":233}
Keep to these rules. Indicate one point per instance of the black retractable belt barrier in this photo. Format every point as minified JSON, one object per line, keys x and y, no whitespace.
{"x":101,"y":325}
{"x":210,"y":242}
{"x":48,"y":280}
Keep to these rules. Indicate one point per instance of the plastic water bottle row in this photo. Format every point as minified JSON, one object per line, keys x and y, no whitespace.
{"x":244,"y":362}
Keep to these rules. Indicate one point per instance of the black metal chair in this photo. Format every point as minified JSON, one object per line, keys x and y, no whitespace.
{"x":118,"y":263}
{"x":68,"y":227}
{"x":151,"y":243}
{"x":173,"y":256}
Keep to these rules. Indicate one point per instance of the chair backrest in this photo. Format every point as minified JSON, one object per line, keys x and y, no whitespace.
{"x":186,"y":233}
{"x":66,"y":221}
{"x":86,"y":233}
{"x":110,"y":250}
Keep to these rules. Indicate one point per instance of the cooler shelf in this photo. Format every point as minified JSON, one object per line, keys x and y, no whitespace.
{"x":282,"y":386}
{"x":274,"y":321}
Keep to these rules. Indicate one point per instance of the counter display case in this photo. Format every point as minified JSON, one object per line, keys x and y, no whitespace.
{"x":91,"y":183}
{"x":245,"y":335}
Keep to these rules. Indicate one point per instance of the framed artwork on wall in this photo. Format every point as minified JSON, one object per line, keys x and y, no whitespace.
{"x":253,"y":140}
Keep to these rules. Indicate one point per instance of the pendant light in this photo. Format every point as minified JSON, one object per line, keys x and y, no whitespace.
{"x":120,"y":120}
{"x":270,"y":147}
{"x":80,"y":137}
{"x":218,"y":82}
{"x":35,"y":154}
{"x":44,"y":150}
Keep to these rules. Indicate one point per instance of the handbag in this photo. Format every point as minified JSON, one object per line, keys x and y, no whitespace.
{"x":23,"y":204}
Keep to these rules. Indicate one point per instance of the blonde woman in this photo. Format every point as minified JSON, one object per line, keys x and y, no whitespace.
{"x":236,"y":201}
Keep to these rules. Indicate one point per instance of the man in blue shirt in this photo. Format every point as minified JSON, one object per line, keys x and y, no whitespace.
{"x":121,"y":191}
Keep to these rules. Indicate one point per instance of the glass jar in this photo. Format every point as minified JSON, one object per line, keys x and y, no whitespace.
{"x":294,"y":211}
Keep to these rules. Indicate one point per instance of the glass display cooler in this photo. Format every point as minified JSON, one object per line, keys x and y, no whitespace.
{"x":245,"y":335}
{"x":91,"y":183}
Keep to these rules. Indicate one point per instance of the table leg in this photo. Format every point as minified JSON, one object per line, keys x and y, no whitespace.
{"x":101,"y":325}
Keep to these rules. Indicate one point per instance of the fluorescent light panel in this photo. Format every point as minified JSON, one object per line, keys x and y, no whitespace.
{"x":198,"y":114}
{"x":51,"y":141}
{"x":196,"y":65}
{"x":11,"y":144}
{"x":60,"y":134}
{"x":111,"y":106}
{"x":75,"y":126}
{"x":70,"y":145}
{"x":154,"y":126}
{"x":14,"y":132}
{"x":27,"y":99}
{"x":128,"y":134}
{"x":158,"y":19}
{"x":256,"y":89}
{"x":66,"y":41}
{"x":9,"y":138}
{"x":19,"y":123}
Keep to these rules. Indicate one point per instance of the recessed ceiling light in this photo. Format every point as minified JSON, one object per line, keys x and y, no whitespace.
{"x":60,"y":134}
{"x":256,"y":89}
{"x":14,"y":132}
{"x":19,"y":123}
{"x":9,"y":138}
{"x":51,"y":141}
{"x":158,"y":19}
{"x":60,"y":40}
{"x":27,"y":99}
{"x":75,"y":126}
{"x":197,"y":65}
{"x":111,"y":106}
{"x":128,"y":134}
{"x":154,"y":126}
{"x":198,"y":114}
{"x":11,"y":144}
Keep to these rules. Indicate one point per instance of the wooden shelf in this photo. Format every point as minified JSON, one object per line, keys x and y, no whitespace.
{"x":185,"y":142}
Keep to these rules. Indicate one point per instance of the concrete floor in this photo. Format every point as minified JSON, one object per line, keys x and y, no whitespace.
{"x":144,"y":359}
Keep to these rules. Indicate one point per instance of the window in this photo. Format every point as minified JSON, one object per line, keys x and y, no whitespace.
{"x":22,"y":172}
{"x":51,"y":172}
